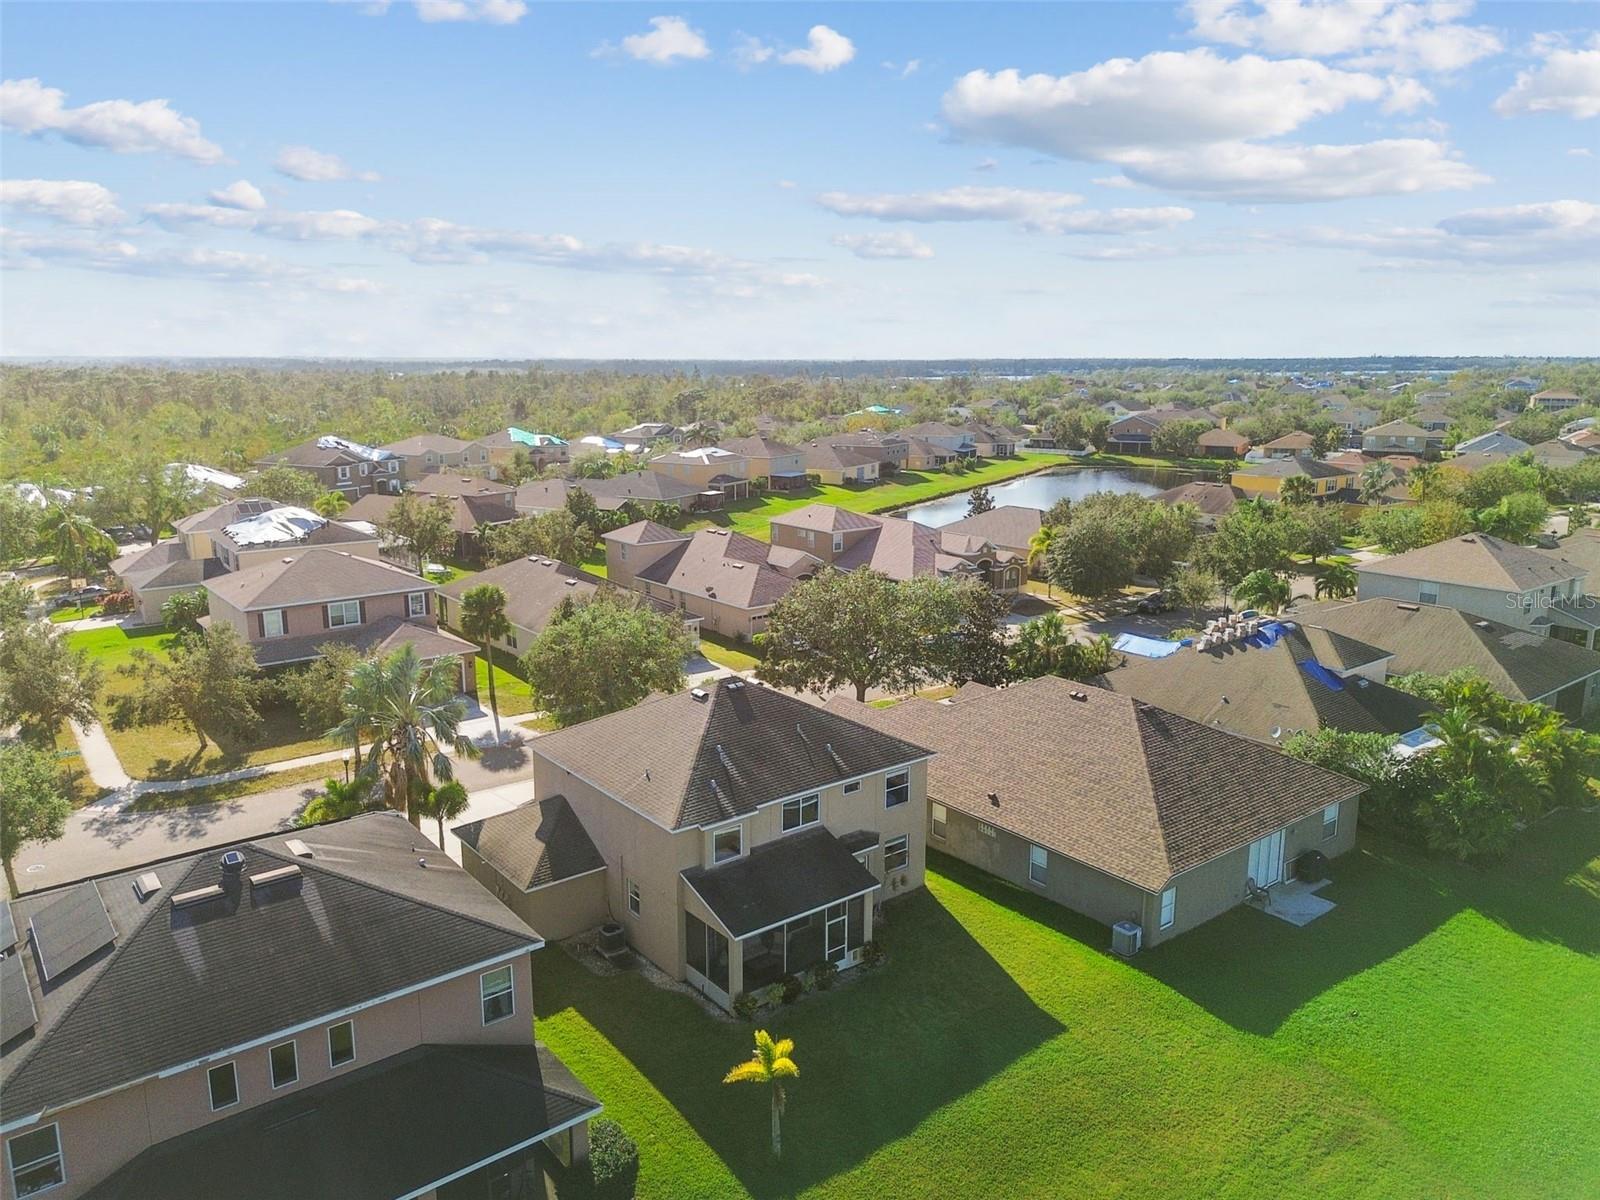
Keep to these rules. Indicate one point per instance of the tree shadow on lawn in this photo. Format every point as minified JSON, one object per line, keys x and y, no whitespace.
{"x":1254,"y":971}
{"x":877,"y":1055}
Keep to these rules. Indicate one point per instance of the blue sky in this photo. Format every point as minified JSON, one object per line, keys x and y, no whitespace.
{"x":499,"y":178}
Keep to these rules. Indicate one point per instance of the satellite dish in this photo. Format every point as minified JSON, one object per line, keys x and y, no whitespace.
{"x":1277,"y":732}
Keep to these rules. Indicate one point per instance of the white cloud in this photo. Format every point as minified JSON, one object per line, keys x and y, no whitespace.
{"x":669,"y":39}
{"x":1546,"y":233}
{"x":490,"y":12}
{"x":1114,"y":181}
{"x":70,"y":201}
{"x":1567,"y":81}
{"x":904,"y":70}
{"x":313,"y":166}
{"x":1035,"y":211}
{"x":751,"y":52}
{"x":241,"y":194}
{"x":122,"y":126}
{"x":1195,"y":123}
{"x":1407,"y":35}
{"x":290,"y":225}
{"x":899,"y":244}
{"x":1580,"y":152}
{"x":826,"y":50}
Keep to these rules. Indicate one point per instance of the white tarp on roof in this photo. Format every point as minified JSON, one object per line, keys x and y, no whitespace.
{"x":41,"y":497}
{"x":706,"y":454}
{"x":208,"y":476}
{"x":285,"y":524}
{"x":359,"y":449}
{"x":610,"y":445}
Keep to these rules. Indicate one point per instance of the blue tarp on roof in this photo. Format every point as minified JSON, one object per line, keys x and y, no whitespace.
{"x":1322,"y":675}
{"x":1132,"y":643}
{"x":1268,"y":634}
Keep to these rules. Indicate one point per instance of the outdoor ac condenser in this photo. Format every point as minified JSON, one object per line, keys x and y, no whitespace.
{"x":1126,"y":937}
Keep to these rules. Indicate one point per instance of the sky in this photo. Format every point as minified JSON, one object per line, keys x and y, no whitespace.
{"x":515,"y":178}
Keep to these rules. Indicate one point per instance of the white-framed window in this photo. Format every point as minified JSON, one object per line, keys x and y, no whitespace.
{"x":896,"y":853}
{"x":416,"y":604}
{"x":341,"y":1043}
{"x":727,"y":843}
{"x":897,"y":789}
{"x":1169,"y":907}
{"x":36,"y":1162}
{"x":938,"y":818}
{"x":1330,"y":822}
{"x":223,"y":1082}
{"x":394,"y":466}
{"x":429,"y":459}
{"x":498,"y":991}
{"x":344,"y":612}
{"x":851,"y":788}
{"x":635,"y":901}
{"x":1038,"y":865}
{"x":797,"y":814}
{"x":1428,"y":593}
{"x":838,"y":538}
{"x":366,"y":469}
{"x":344,"y":472}
{"x":273,"y":624}
{"x":285,"y":1061}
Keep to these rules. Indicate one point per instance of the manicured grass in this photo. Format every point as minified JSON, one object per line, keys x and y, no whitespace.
{"x":907,"y":487}
{"x":1148,"y":460}
{"x":215,"y":793}
{"x":1434,"y":1036}
{"x":725,"y":652}
{"x":62,"y":615}
{"x":511,"y":690}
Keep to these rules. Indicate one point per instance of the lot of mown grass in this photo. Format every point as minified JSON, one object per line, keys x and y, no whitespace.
{"x":1436,"y":1035}
{"x":512,"y":692}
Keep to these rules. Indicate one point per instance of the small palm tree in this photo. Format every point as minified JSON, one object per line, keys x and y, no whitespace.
{"x":1337,"y":582}
{"x":331,"y":504}
{"x":445,"y":803}
{"x":1375,"y":481}
{"x":76,"y":542}
{"x":1422,"y":479}
{"x":771,"y":1062}
{"x":1265,"y":590}
{"x":1038,"y":548}
{"x":340,"y":798}
{"x":483,"y":620}
{"x":1297,"y":489}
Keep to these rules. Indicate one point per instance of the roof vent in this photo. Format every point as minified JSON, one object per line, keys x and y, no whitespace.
{"x":700,"y":694}
{"x":1079,"y":695}
{"x":994,"y":799}
{"x":1481,"y":624}
{"x":261,"y":878}
{"x":1409,"y":607}
{"x":147,"y":885}
{"x":546,"y":562}
{"x":232,"y":862}
{"x":735,"y":685}
{"x":571,"y":582}
{"x":423,"y":863}
{"x":297,"y":848}
{"x":197,"y":895}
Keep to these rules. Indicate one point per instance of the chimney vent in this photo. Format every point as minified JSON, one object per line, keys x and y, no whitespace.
{"x":232,"y":862}
{"x":994,"y":799}
{"x":147,"y":885}
{"x":700,"y":694}
{"x":297,"y":848}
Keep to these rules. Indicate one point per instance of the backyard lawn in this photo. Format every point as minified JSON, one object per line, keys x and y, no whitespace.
{"x":512,"y":692}
{"x":725,"y":652}
{"x":1436,"y":1035}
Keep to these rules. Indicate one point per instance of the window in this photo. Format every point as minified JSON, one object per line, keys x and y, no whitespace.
{"x":939,"y":819}
{"x":272,"y":623}
{"x":511,"y":640}
{"x":285,"y":1064}
{"x":851,"y":788}
{"x":896,"y":854}
{"x":344,"y":612}
{"x":727,"y":843}
{"x":797,"y":814}
{"x":1038,"y":865}
{"x":36,"y":1161}
{"x":341,"y":1043}
{"x":1330,"y":822}
{"x":366,"y":468}
{"x":897,"y":789}
{"x":1169,"y":907}
{"x":838,"y":538}
{"x":224,"y":1084}
{"x":344,"y":472}
{"x":1428,"y":593}
{"x":498,"y":991}
{"x":635,"y":902}
{"x":416,"y":604}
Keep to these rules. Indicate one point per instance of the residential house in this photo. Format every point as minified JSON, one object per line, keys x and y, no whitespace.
{"x":1496,"y":441}
{"x":1521,"y":665}
{"x":649,"y":433}
{"x":1470,"y":463}
{"x":289,"y":608}
{"x":1211,"y":500}
{"x":780,"y":465}
{"x":1297,"y":444}
{"x":838,"y":465}
{"x":1521,"y":383}
{"x":645,"y":489}
{"x":1221,"y":443}
{"x":597,"y":443}
{"x":746,"y":835}
{"x":728,"y":580}
{"x":429,"y":452}
{"x":1266,"y":478}
{"x":720,"y":475}
{"x":469,"y":513}
{"x":963,"y":443}
{"x":494,"y":453}
{"x":1152,"y":819}
{"x":341,"y":465}
{"x":451,"y":483}
{"x":261,"y":1019}
{"x":895,"y":547}
{"x":1557,"y":453}
{"x":1132,"y":434}
{"x":994,"y":441}
{"x":1583,"y":439}
{"x":923,"y":455}
{"x":1350,"y":417}
{"x":1434,"y":420}
{"x":1401,"y":437}
{"x":1126,"y":406}
{"x":224,"y":485}
{"x":1554,"y":400}
{"x":1008,"y":527}
{"x":891,"y":449}
{"x":1285,"y":680}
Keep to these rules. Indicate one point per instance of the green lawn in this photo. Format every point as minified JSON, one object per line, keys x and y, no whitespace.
{"x":511,"y":690}
{"x":725,"y":652}
{"x":308,"y":777}
{"x":1437,"y":1035}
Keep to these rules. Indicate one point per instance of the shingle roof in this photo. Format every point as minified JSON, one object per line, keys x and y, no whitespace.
{"x":1283,"y":468}
{"x":1297,"y":440}
{"x":312,"y":577}
{"x":446,"y":483}
{"x":826,"y":518}
{"x":1212,"y":499}
{"x":683,"y":761}
{"x":535,"y":844}
{"x":1222,"y":437}
{"x":1582,"y":550}
{"x":822,"y":456}
{"x":359,"y":921}
{"x":534,"y":587}
{"x":642,"y":533}
{"x":220,"y":515}
{"x":778,"y":880}
{"x":1008,"y":525}
{"x":379,"y":638}
{"x":1399,"y":429}
{"x":1476,"y":560}
{"x":731,"y":568}
{"x":1128,"y":788}
{"x":643,"y":486}
{"x":425,"y":443}
{"x":760,"y":447}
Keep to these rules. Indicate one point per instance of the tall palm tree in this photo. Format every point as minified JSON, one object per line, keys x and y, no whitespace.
{"x":1038,"y":548}
{"x":483,"y":620}
{"x":412,"y":712}
{"x":1297,"y":489}
{"x":1422,"y":479}
{"x":76,"y":542}
{"x":1265,"y":590}
{"x":771,"y":1062}
{"x":1337,"y":582}
{"x":445,"y":803}
{"x":331,"y":504}
{"x":1375,"y":481}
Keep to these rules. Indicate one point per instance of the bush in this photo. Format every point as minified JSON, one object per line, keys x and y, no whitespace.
{"x":873,"y":954}
{"x":792,"y":988}
{"x":745,"y":1005}
{"x":117,"y":602}
{"x":823,"y":975}
{"x":1467,"y":820}
{"x":613,"y":1160}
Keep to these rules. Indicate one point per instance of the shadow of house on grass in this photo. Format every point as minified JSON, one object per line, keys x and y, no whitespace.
{"x":877,"y":1056}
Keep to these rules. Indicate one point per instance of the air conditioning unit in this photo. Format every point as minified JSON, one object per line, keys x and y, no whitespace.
{"x":1126,"y":938}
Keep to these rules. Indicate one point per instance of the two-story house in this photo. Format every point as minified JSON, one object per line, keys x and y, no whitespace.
{"x":1496,"y":441}
{"x":895,"y":547}
{"x":736,"y":833}
{"x":1265,"y":479}
{"x":493,"y":453}
{"x":892,"y":449}
{"x":963,"y":443}
{"x":1554,"y":400}
{"x":474,"y":502}
{"x":779,"y":464}
{"x":427,"y":453}
{"x":287,"y":609}
{"x":266,"y":1019}
{"x":721,"y":475}
{"x":342,"y":465}
{"x":994,"y":441}
{"x":1402,"y":437}
{"x":840,"y":465}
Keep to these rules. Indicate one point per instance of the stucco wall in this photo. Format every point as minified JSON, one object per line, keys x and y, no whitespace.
{"x":555,"y":911}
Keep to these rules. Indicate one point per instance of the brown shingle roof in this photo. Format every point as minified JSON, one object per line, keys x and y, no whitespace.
{"x":820,"y":456}
{"x":535,"y":844}
{"x":1298,"y":440}
{"x":1212,"y":499}
{"x":1121,"y":786}
{"x":826,"y":518}
{"x":724,"y":566}
{"x":1476,"y":560}
{"x":534,"y":587}
{"x":446,"y":483}
{"x":311,"y":577}
{"x":1008,"y":525}
{"x":426,"y":443}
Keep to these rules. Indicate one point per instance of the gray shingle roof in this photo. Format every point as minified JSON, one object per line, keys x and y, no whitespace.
{"x":537,"y":843}
{"x":732,"y":568}
{"x":1010,"y":526}
{"x":313,"y":576}
{"x":778,"y":880}
{"x":534,"y":587}
{"x":380,"y":638}
{"x":683,"y":761}
{"x":1476,"y":560}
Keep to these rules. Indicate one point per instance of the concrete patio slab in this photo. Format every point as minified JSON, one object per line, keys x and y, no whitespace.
{"x":1297,"y":902}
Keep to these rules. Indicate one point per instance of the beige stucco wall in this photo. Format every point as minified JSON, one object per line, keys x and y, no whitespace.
{"x":102,"y":1135}
{"x":555,"y":911}
{"x":700,"y":474}
{"x":782,"y":464}
{"x":1509,"y":608}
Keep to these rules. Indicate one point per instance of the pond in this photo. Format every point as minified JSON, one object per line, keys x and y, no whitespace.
{"x":1044,"y":489}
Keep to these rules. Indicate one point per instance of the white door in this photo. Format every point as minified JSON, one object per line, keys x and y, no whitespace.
{"x":1266,"y":860}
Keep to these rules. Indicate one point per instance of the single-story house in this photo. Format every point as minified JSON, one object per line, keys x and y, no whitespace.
{"x":1212,"y":500}
{"x":1221,"y":443}
{"x":1009,"y":527}
{"x":840,"y":464}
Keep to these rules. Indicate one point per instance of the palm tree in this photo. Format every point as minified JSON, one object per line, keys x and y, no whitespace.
{"x":445,"y":803}
{"x":1422,"y":479}
{"x":412,"y":712}
{"x":1265,"y":590}
{"x":1337,"y":582}
{"x":1039,"y":547}
{"x":1297,"y":489}
{"x":1375,"y":481}
{"x":483,"y":620}
{"x":1042,"y":647}
{"x":771,"y":1062}
{"x":338,"y":799}
{"x":75,"y":540}
{"x":331,"y":504}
